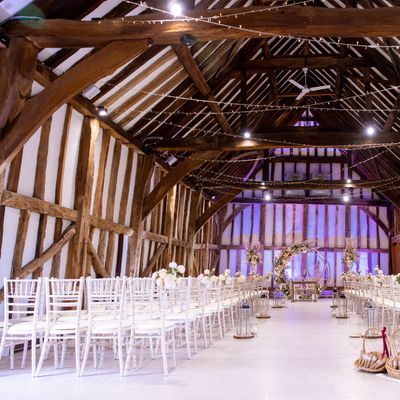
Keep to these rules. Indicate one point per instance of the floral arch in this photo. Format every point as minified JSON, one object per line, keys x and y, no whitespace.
{"x":288,"y":252}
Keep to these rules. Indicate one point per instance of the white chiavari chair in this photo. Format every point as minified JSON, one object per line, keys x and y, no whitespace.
{"x":64,"y":320}
{"x":154,"y":301}
{"x":107,"y":319}
{"x":22,"y":323}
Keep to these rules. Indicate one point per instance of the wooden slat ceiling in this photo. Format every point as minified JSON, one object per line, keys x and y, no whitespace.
{"x":153,"y":96}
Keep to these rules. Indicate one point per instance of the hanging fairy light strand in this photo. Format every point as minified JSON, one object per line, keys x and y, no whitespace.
{"x":216,"y":20}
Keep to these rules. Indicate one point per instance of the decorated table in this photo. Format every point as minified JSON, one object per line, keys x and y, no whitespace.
{"x":304,"y":290}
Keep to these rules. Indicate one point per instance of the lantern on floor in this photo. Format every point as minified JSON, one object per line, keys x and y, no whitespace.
{"x":263,"y":305}
{"x":335,"y":302}
{"x":243,"y":326}
{"x":370,"y":319}
{"x":341,"y":311}
{"x":279,"y":300}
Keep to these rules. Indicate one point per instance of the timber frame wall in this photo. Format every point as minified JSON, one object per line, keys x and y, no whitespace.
{"x":72,"y":204}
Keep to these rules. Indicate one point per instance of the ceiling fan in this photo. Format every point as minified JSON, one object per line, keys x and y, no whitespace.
{"x":304,"y":88}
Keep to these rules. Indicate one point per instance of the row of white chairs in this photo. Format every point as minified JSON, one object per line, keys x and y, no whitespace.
{"x":129,"y":315}
{"x":382,"y":294}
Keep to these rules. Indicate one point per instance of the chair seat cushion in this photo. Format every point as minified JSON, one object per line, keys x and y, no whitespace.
{"x":25,"y":328}
{"x":153,"y":326}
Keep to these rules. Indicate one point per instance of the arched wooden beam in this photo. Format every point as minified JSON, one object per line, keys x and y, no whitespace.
{"x":215,"y":207}
{"x":225,"y":199}
{"x":376,"y":219}
{"x":173,"y":177}
{"x":234,"y":214}
{"x":39,"y":108}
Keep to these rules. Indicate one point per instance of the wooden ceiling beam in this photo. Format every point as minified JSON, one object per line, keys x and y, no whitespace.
{"x":39,"y":108}
{"x":304,"y":185}
{"x":296,"y":21}
{"x":193,"y":70}
{"x":299,"y":137}
{"x":314,"y":200}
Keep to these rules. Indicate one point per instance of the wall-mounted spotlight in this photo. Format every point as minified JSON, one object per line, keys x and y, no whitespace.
{"x":247,"y":134}
{"x":370,"y":130}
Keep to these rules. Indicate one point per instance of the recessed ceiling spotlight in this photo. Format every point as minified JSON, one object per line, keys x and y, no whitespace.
{"x":370,"y":131}
{"x":346,"y":198}
{"x":247,"y":134}
{"x":175,"y":8}
{"x":267,"y":196}
{"x":102,"y":111}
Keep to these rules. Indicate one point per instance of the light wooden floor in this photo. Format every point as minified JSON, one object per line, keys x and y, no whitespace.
{"x":301,"y":353}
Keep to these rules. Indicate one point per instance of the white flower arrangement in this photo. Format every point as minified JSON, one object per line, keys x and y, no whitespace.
{"x":169,"y":277}
{"x":380,"y":276}
{"x":207,"y":277}
{"x":350,"y":254}
{"x":253,"y":254}
{"x":240,"y":278}
{"x":225,"y":278}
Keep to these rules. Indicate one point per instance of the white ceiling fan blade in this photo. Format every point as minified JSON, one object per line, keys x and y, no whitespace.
{"x":301,"y":87}
{"x":302,"y":94}
{"x":316,"y":88}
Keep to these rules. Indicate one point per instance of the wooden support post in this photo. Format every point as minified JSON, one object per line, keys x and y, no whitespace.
{"x":195,"y":201}
{"x":144,"y":171}
{"x":39,"y":188}
{"x":169,"y":220}
{"x":77,"y":254}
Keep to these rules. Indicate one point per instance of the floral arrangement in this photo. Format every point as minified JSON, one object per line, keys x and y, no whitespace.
{"x":350,"y":254}
{"x":281,"y":262}
{"x":240,"y":278}
{"x":169,"y":277}
{"x":207,"y":277}
{"x":380,"y":276}
{"x":225,"y":278}
{"x":253,"y":254}
{"x":350,"y":275}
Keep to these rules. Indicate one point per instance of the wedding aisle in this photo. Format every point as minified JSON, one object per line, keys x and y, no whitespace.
{"x":301,"y":353}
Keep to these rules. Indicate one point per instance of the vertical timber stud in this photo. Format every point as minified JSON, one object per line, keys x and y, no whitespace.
{"x":195,"y":202}
{"x":169,"y":220}
{"x":77,"y":252}
{"x":144,"y":171}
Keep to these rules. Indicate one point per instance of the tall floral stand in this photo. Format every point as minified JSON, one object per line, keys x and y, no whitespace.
{"x":253,"y":268}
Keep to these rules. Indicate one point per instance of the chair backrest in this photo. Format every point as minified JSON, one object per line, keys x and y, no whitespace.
{"x":106,"y":296}
{"x":64,"y":298}
{"x":22,"y":299}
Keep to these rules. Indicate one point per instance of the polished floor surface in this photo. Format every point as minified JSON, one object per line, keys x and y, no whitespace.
{"x":300,"y":353}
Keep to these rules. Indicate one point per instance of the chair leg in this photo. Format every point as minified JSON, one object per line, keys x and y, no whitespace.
{"x":63,"y":352}
{"x":24,"y":354}
{"x":164,"y":354}
{"x":42,"y":354}
{"x":86,"y":354}
{"x":77,"y":353}
{"x":173,"y":349}
{"x":195,"y":327}
{"x":12,"y":355}
{"x":203,"y":327}
{"x":130,"y":353}
{"x":120,"y":354}
{"x":187,"y":338}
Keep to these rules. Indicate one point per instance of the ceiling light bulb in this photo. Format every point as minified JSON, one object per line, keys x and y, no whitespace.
{"x":213,"y":197}
{"x":176,"y":9}
{"x":370,"y":130}
{"x":262,"y":183}
{"x":247,"y":135}
{"x":349,"y":180}
{"x":346,"y":198}
{"x":267,"y":197}
{"x":102,"y":111}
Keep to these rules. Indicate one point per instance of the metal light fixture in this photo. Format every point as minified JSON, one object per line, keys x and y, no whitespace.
{"x":102,"y":111}
{"x":175,"y":8}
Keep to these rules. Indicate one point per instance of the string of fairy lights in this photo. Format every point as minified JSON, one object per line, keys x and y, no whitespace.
{"x":177,"y":13}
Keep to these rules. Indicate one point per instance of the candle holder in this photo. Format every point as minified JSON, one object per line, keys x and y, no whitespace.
{"x":243,"y":326}
{"x":335,"y":301}
{"x":263,"y":306}
{"x":279,"y":299}
{"x":341,"y":312}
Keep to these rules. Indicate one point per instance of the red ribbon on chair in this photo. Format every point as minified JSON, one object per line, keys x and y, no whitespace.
{"x":385,"y":346}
